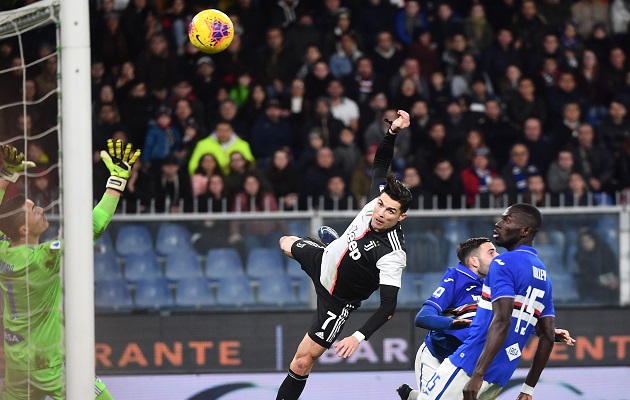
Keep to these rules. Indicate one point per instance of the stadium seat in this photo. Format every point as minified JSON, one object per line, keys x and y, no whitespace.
{"x":106,"y":267}
{"x":298,"y":228}
{"x":112,"y":296}
{"x":133,"y":239}
{"x":428,"y":283}
{"x":235,"y":292}
{"x":263,"y":261}
{"x":373,"y":302}
{"x":551,"y":256}
{"x":564,"y":287}
{"x":223,"y":262}
{"x":423,"y":252}
{"x":277,"y":291}
{"x":171,"y":237}
{"x":104,"y":243}
{"x":142,"y":266}
{"x":193,"y":294}
{"x":153,"y":295}
{"x":182,"y":264}
{"x":408,"y":295}
{"x":455,"y":230}
{"x":304,"y":286}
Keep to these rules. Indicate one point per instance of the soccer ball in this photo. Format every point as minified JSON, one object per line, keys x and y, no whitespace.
{"x":211,"y":31}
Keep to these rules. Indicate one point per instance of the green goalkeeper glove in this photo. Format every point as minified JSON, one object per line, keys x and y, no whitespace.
{"x":119,"y":164}
{"x":12,"y":163}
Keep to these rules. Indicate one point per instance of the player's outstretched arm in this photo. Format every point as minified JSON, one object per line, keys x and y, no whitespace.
{"x":119,"y":163}
{"x":546,"y":334}
{"x":497,"y":333}
{"x":389,"y":295}
{"x":385,"y":153}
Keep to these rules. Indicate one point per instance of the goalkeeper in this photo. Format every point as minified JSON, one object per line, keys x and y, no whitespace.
{"x":31,"y":284}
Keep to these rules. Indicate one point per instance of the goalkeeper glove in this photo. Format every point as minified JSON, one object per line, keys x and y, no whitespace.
{"x":119,"y":164}
{"x":12,"y":163}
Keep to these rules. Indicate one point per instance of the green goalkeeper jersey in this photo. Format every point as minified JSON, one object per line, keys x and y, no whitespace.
{"x":31,"y":286}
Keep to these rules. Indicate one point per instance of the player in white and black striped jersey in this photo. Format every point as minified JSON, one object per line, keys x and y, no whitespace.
{"x":369,"y":255}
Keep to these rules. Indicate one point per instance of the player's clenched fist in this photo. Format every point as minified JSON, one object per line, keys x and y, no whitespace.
{"x":119,"y":163}
{"x":12,"y":163}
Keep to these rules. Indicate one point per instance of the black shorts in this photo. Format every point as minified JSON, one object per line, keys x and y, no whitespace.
{"x":331,"y":313}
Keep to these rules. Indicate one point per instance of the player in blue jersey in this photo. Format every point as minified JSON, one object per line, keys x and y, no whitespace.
{"x":447,"y":314}
{"x":516,"y":299}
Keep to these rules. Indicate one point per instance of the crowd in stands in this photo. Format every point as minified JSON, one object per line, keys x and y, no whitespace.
{"x":509,"y":99}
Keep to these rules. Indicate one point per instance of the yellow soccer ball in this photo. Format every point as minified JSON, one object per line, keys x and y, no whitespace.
{"x":211,"y":31}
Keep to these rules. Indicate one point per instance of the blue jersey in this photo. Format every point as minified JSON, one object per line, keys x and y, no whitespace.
{"x":456,"y":298}
{"x":521,"y":275}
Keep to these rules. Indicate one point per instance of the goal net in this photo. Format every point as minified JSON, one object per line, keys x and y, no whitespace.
{"x":33,"y":270}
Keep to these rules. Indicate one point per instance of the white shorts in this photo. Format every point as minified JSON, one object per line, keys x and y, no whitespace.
{"x":447,"y":383}
{"x":425,"y":365}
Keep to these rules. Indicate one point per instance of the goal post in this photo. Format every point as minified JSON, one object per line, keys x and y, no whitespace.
{"x":76,"y":167}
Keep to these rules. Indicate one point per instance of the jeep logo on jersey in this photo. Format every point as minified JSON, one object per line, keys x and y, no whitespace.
{"x":353,"y":248}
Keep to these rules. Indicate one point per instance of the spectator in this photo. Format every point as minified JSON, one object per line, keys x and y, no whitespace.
{"x":258,"y":233}
{"x":477,"y":177}
{"x":322,"y":120}
{"x":439,"y":93}
{"x":170,"y":189}
{"x":423,"y":50}
{"x":163,"y":139}
{"x":615,"y":128}
{"x":343,"y":108}
{"x":437,"y":147}
{"x":406,"y":95}
{"x":271,"y":132}
{"x":446,"y":186}
{"x":592,"y":160}
{"x":155,"y":65}
{"x":498,"y":132}
{"x":136,"y":111}
{"x":529,"y":26}
{"x":599,"y":41}
{"x":550,"y":49}
{"x":421,"y":196}
{"x":365,"y":83}
{"x":467,"y":150}
{"x":375,"y":16}
{"x":221,"y":143}
{"x":477,"y":29}
{"x":408,"y":20}
{"x":208,"y":166}
{"x":239,"y":167}
{"x":457,"y":122}
{"x":362,"y":176}
{"x":343,"y":27}
{"x":518,"y":169}
{"x":497,"y":195}
{"x":386,"y":57}
{"x":565,"y":130}
{"x":133,"y":21}
{"x":420,"y":122}
{"x":213,"y":233}
{"x":277,"y":64}
{"x":348,"y":153}
{"x":617,"y":69}
{"x":571,"y":42}
{"x":577,"y":194}
{"x":283,"y":177}
{"x":479,"y":94}
{"x":43,"y":190}
{"x":588,"y":13}
{"x":336,"y":197}
{"x":500,"y":55}
{"x":114,"y":49}
{"x":409,"y":71}
{"x":106,"y":123}
{"x":254,"y":106}
{"x":597,"y":277}
{"x":560,"y":171}
{"x":540,"y":147}
{"x":303,"y":35}
{"x":526,"y":104}
{"x":285,"y":13}
{"x":313,"y":185}
{"x":565,"y":92}
{"x":445,"y":24}
{"x":342,"y":61}
{"x":451,"y":58}
{"x":125,"y":79}
{"x":536,"y":193}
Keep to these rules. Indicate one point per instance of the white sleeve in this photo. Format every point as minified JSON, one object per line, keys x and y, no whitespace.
{"x":391,"y":267}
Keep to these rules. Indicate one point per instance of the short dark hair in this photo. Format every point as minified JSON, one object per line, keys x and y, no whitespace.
{"x":533,"y":217}
{"x":397,"y":191}
{"x":12,"y":216}
{"x":466,"y":248}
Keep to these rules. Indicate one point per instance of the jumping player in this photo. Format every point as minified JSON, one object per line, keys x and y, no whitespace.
{"x":371,"y":253}
{"x":516,"y":298}
{"x":31,"y":284}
